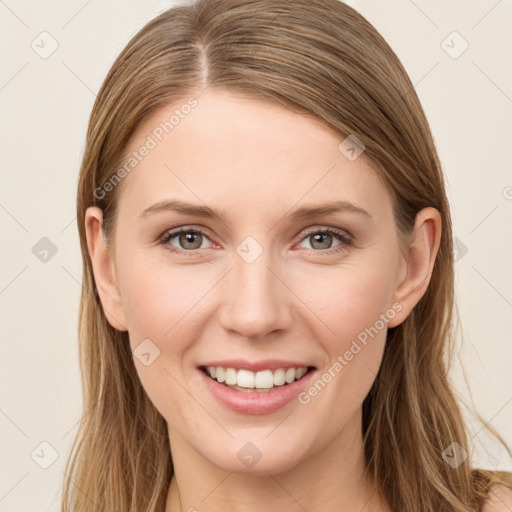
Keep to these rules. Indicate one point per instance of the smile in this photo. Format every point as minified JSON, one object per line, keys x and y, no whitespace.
{"x":247,"y":380}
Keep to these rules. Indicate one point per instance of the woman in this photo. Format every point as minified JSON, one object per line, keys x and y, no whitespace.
{"x":268,"y":275}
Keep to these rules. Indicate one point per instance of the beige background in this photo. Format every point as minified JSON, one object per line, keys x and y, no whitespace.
{"x":45,"y":103}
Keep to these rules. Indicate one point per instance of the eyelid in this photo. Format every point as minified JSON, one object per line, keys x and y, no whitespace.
{"x":345,"y":237}
{"x":172,"y":233}
{"x":324,"y":229}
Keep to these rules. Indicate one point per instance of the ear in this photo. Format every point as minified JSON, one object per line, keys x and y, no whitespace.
{"x":419,"y":257}
{"x":103,"y":268}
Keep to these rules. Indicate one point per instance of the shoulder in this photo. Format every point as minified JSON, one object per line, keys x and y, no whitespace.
{"x":499,"y":499}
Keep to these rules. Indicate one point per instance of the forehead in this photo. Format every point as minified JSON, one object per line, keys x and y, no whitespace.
{"x":229,"y":149}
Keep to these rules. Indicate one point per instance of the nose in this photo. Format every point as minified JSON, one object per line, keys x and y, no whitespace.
{"x":257,"y":299}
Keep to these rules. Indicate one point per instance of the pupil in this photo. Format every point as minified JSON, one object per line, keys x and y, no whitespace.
{"x":320,"y":236}
{"x":191,"y":238}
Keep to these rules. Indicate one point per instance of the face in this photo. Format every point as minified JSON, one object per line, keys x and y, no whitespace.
{"x":261,"y":285}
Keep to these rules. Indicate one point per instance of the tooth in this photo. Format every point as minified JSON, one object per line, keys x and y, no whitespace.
{"x":300,"y":372}
{"x":230,"y":376}
{"x":264,"y":379}
{"x":290,"y":375}
{"x":245,"y":379}
{"x":279,"y":377}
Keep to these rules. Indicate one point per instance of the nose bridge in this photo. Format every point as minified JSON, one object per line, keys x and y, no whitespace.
{"x":256,"y":300}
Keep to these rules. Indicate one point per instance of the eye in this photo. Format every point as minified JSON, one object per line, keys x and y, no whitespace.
{"x":187,"y":239}
{"x":321,"y":240}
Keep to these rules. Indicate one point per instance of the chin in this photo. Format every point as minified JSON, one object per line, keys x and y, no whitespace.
{"x":258,"y":456}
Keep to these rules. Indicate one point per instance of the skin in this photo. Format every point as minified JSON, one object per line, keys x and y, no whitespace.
{"x":498,"y":500}
{"x":299,"y":300}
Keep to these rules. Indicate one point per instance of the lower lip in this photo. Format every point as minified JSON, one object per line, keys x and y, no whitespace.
{"x":254,"y":402}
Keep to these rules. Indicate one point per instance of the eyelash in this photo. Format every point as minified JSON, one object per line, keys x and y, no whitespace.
{"x":342,"y":237}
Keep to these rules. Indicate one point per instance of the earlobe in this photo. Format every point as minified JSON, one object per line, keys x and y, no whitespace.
{"x":419,"y":258}
{"x":103,"y":268}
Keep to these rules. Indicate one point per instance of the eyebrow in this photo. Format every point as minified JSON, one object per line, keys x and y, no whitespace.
{"x":304,"y":212}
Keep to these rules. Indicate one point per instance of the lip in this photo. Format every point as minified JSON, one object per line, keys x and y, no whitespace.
{"x":256,"y":403}
{"x":266,"y":364}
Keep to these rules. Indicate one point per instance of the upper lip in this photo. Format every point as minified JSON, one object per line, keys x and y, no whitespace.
{"x":256,"y":366}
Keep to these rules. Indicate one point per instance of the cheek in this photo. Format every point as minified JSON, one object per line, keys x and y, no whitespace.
{"x":349,"y":300}
{"x":353,"y":304}
{"x":156,"y":294}
{"x":355,"y":308}
{"x":162,"y":303}
{"x":161,"y":297}
{"x":340,"y":307}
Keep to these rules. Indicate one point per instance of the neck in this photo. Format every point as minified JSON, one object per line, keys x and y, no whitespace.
{"x":334,"y":479}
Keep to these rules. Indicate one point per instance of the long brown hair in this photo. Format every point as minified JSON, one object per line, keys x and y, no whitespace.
{"x":319,"y":57}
